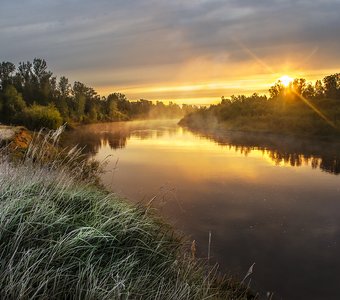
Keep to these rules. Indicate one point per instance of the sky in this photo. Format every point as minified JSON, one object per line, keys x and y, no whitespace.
{"x":191,"y":51}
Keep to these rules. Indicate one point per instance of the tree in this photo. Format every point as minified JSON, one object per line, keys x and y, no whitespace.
{"x":80,"y":106}
{"x":63,"y":94}
{"x":6,"y":69}
{"x":35,"y":82}
{"x":23,"y":82}
{"x":298,"y":85}
{"x":40,"y":68}
{"x":122,"y":103}
{"x":319,"y":89}
{"x":12,"y":104}
{"x":86,"y":101}
{"x":111,"y":107}
{"x":43,"y":82}
{"x":332,"y":86}
{"x":308,"y":91}
{"x":277,"y":90}
{"x":64,"y":87}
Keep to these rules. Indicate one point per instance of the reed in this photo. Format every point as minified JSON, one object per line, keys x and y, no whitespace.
{"x":61,"y":237}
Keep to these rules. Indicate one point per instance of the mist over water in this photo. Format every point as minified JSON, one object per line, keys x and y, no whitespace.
{"x":266,"y":199}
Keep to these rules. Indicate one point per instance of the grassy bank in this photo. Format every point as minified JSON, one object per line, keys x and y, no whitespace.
{"x":61,"y":237}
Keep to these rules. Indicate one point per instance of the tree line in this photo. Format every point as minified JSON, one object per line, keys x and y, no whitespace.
{"x":32,"y":96}
{"x":300,"y":108}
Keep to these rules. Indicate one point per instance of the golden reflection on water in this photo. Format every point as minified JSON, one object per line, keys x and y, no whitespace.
{"x":152,"y":153}
{"x":103,"y":139}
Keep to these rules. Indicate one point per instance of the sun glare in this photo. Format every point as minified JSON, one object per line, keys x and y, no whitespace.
{"x":286,"y":80}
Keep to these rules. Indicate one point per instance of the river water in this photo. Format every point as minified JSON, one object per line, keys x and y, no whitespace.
{"x":269,"y":200}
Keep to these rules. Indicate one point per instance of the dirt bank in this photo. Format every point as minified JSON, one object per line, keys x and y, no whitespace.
{"x":15,"y":137}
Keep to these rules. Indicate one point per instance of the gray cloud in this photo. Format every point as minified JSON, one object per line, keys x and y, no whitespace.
{"x":82,"y":37}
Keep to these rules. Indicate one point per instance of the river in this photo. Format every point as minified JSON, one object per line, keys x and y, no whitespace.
{"x":269,"y":200}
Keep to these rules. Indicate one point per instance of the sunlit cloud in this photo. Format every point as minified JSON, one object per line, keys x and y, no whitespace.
{"x":161,"y":48}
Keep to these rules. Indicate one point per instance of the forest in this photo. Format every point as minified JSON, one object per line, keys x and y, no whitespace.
{"x":32,"y":96}
{"x":299,"y":108}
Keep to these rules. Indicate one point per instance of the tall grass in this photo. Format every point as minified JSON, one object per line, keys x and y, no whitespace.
{"x":63,"y":238}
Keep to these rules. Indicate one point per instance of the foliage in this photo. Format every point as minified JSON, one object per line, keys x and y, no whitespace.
{"x":300,"y":108}
{"x":37,"y":116}
{"x":11,"y":105}
{"x":32,"y":83}
{"x":6,"y":70}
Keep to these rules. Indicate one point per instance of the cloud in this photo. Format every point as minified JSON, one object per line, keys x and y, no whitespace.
{"x":83,"y":39}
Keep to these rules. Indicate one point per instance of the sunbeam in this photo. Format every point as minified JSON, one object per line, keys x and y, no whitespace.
{"x":315,"y":109}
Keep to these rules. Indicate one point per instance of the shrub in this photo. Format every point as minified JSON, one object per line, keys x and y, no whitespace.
{"x":38,"y":116}
{"x":11,"y":104}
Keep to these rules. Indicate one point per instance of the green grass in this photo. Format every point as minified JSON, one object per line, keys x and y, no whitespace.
{"x":61,"y":237}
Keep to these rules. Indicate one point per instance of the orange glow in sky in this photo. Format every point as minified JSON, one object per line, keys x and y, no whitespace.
{"x":191,"y":52}
{"x":192,"y":90}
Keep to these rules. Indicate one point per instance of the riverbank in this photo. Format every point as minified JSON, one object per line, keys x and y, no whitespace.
{"x":286,"y":127}
{"x":289,"y":115}
{"x":15,"y":139}
{"x":18,"y":136}
{"x":63,"y":237}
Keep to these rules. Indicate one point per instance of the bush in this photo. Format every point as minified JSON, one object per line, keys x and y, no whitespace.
{"x":11,"y":104}
{"x":38,"y":116}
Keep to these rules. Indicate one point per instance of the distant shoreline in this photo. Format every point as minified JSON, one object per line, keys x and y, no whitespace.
{"x":224,"y":128}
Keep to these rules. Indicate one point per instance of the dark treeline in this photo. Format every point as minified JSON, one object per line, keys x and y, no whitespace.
{"x":31,"y":95}
{"x":300,"y":108}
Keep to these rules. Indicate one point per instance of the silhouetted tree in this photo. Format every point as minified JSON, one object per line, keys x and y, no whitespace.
{"x":6,"y":70}
{"x":277,"y":90}
{"x":332,"y":86}
{"x":298,"y":85}
{"x":319,"y":89}
{"x":309,"y":91}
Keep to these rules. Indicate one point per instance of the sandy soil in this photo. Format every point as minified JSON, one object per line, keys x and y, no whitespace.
{"x":7,"y":133}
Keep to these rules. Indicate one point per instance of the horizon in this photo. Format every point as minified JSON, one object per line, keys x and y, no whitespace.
{"x":193,"y":52}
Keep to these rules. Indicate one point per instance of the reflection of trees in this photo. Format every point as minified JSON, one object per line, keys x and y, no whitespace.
{"x":115,"y":140}
{"x":331,"y":165}
{"x":115,"y":135}
{"x":91,"y":141}
{"x":294,"y":159}
{"x":288,"y":150}
{"x":142,"y":134}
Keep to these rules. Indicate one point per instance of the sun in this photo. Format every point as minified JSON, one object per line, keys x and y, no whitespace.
{"x":286,"y":80}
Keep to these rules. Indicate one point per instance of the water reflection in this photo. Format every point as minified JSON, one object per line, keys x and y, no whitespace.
{"x":293,"y":151}
{"x":288,"y":150}
{"x":92,"y":137}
